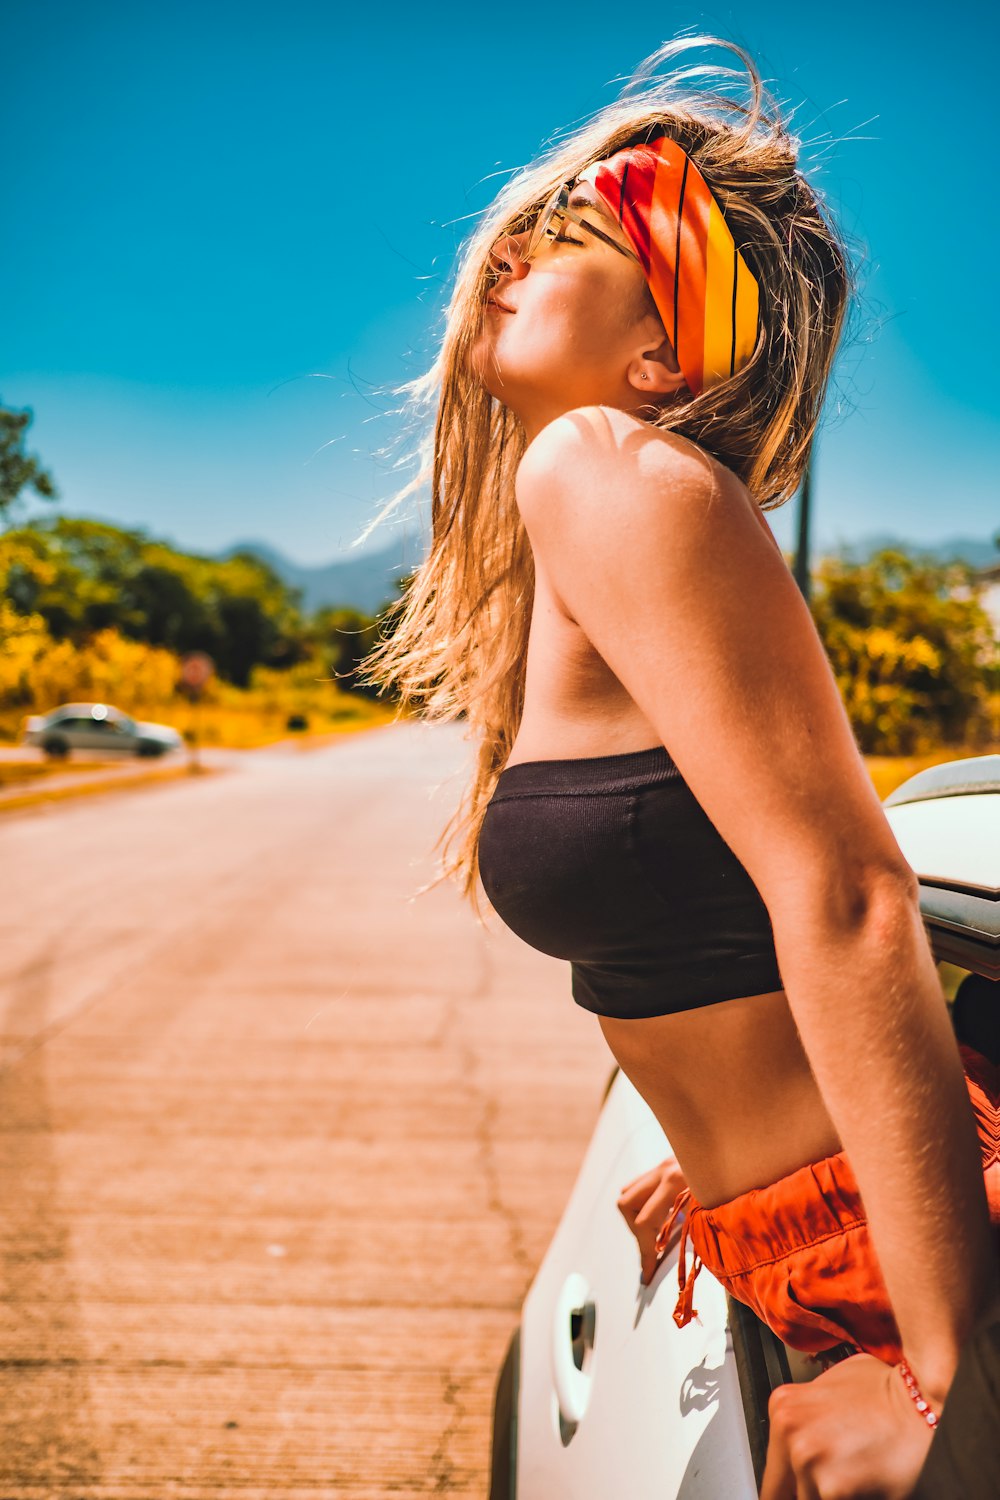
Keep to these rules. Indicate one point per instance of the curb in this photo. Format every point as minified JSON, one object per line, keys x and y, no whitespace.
{"x":118,"y":782}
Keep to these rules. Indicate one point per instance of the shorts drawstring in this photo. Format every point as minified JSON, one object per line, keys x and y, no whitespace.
{"x":685,"y":1309}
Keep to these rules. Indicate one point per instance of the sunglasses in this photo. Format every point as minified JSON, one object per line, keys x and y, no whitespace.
{"x":553,"y":220}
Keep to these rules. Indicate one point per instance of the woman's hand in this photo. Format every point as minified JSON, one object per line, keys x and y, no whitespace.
{"x":645,"y":1204}
{"x":852,"y":1431}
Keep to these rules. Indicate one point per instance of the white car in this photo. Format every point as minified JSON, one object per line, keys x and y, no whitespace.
{"x":600,"y":1394}
{"x":96,"y":727}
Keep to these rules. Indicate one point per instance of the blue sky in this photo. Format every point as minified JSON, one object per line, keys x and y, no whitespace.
{"x":229,"y":230}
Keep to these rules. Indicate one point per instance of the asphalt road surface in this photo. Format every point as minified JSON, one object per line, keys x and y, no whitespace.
{"x":281,"y":1145}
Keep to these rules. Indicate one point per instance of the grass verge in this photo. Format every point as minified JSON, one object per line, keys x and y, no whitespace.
{"x":14,"y":773}
{"x":119,"y":782}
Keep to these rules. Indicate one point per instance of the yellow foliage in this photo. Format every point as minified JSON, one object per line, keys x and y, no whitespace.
{"x":24,"y":643}
{"x":892,"y":651}
{"x":38,"y":673}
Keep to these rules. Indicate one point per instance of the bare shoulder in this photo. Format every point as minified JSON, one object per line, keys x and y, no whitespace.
{"x":598,"y":480}
{"x":591,"y":445}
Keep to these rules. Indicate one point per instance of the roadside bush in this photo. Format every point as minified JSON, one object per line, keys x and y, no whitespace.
{"x":912,"y":648}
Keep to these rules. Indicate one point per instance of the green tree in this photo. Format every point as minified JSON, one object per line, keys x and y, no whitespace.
{"x":19,"y":470}
{"x":911,"y":647}
{"x":70,"y":572}
{"x":160,"y":606}
{"x":341,"y":638}
{"x":81,"y":576}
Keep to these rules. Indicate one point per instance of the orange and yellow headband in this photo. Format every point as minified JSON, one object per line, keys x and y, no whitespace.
{"x":704,"y":290}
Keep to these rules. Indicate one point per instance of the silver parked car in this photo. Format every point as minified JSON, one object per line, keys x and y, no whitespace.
{"x":97,"y":727}
{"x":600,"y":1394}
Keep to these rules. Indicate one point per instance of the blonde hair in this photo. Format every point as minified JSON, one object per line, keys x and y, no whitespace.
{"x":456,"y":641}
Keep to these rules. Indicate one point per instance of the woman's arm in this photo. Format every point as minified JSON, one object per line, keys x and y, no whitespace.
{"x":657,"y":553}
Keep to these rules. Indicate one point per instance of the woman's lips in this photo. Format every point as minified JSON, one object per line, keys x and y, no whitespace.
{"x":498,"y":306}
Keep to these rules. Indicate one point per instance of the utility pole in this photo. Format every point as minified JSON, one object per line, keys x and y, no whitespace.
{"x":801,"y":568}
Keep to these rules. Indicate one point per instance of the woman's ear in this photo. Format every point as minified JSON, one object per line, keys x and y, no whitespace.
{"x":655,"y":370}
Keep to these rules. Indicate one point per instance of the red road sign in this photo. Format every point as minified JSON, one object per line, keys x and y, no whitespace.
{"x":196,"y":669}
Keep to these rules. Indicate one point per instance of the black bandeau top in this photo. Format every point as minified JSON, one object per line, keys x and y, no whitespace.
{"x":611,"y":862}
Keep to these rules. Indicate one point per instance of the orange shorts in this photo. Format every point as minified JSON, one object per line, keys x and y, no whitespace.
{"x":799,"y":1252}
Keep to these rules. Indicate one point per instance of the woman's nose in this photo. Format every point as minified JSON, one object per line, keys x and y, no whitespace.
{"x":505,"y":256}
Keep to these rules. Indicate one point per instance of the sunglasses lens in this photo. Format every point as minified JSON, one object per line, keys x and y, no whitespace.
{"x":543,"y":224}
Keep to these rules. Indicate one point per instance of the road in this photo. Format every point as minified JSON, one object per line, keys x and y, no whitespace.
{"x":281,"y":1145}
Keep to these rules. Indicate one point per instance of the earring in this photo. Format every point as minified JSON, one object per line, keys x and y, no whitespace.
{"x":643,"y":375}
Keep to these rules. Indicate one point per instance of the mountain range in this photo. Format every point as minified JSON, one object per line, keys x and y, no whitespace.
{"x":365,"y":582}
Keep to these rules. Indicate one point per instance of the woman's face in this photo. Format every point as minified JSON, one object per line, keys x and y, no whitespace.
{"x":574,"y":326}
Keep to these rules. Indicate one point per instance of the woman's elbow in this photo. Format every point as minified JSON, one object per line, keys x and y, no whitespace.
{"x":843,"y":900}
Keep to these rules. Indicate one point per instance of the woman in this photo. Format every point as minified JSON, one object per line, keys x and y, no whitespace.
{"x":668,"y":791}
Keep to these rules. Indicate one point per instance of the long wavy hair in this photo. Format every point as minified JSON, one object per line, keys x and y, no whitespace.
{"x":454,"y":645}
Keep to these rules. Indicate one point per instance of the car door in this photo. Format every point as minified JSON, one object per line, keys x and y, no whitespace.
{"x":103,"y":735}
{"x":613,"y":1398}
{"x":71,"y":728}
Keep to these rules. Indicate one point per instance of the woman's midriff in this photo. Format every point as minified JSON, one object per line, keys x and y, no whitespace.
{"x":732,"y":1088}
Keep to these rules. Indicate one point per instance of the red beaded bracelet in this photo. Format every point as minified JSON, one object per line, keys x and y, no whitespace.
{"x":923,"y":1406}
